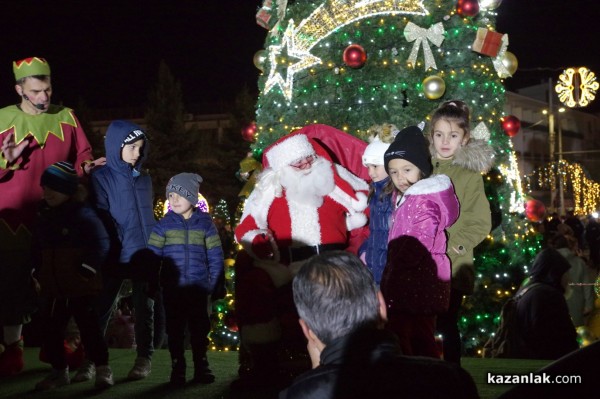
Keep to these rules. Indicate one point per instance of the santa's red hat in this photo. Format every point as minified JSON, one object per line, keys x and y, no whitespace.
{"x":289,"y":149}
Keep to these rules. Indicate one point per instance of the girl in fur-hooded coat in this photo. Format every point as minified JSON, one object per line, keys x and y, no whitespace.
{"x":474,"y":222}
{"x":463,"y":156}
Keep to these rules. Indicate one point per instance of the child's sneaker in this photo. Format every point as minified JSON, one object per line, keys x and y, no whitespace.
{"x":86,"y":372}
{"x":141,"y":369}
{"x":104,"y":377}
{"x":56,"y":378}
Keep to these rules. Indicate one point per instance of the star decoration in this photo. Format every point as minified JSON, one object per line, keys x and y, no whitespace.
{"x":306,"y":60}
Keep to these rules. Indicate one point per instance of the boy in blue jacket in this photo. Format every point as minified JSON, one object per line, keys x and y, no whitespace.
{"x":122,"y":194}
{"x":188,"y":244}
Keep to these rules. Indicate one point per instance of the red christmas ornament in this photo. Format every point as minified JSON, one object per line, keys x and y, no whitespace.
{"x":355,"y":56}
{"x":248,"y":132}
{"x":230,"y":322}
{"x":511,"y":125}
{"x":535,"y":210}
{"x":467,"y":8}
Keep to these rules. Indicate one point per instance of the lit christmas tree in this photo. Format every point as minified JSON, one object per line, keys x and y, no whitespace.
{"x":353,"y":64}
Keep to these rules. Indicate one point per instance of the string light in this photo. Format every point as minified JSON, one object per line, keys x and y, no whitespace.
{"x":585,"y":192}
{"x":388,"y":89}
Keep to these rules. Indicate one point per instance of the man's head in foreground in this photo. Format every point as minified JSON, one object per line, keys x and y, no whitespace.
{"x":335,"y":294}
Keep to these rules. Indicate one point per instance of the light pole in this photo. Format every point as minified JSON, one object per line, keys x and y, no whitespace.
{"x":561,"y":181}
{"x":556,"y":156}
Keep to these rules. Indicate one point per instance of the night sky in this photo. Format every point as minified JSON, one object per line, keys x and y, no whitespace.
{"x":108,"y":52}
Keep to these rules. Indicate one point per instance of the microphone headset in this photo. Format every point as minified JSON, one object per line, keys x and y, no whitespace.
{"x":38,"y":106}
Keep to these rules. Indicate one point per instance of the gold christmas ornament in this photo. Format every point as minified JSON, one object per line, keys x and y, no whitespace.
{"x":434,"y":87}
{"x":259,"y":59}
{"x":510,"y":62}
{"x":489,"y":4}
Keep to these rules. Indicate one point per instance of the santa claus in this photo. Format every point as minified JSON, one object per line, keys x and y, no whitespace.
{"x":303,"y":204}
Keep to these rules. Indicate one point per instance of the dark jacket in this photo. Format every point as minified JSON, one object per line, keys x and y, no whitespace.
{"x":190,"y":250}
{"x":375,"y":246}
{"x":368,"y":364}
{"x":70,"y":246}
{"x":543,"y":319}
{"x":122,"y":195}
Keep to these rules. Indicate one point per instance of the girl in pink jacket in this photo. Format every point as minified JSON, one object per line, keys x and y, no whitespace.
{"x":416,"y":279}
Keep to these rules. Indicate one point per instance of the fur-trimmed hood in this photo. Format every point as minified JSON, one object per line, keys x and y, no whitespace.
{"x":432,"y":185}
{"x":477,"y":156}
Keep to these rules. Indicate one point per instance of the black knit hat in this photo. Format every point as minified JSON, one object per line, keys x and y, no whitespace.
{"x":410,"y":144}
{"x":133,"y":137}
{"x":60,"y":177}
{"x":186,"y":185}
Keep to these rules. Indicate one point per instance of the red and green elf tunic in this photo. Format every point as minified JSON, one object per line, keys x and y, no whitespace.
{"x":53,"y":136}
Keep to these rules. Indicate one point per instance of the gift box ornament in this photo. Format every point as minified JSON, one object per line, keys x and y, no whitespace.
{"x":265,"y":16}
{"x":487,"y":42}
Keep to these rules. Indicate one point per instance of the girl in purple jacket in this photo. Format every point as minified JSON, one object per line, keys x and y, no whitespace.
{"x":416,"y":279}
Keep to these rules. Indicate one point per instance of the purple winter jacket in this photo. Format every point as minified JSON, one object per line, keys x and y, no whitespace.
{"x":416,"y":278}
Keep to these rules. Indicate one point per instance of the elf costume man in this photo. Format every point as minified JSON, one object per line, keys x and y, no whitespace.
{"x":33,"y":135}
{"x":303,"y":204}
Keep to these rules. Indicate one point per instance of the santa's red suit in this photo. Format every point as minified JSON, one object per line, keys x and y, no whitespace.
{"x":278,"y":234}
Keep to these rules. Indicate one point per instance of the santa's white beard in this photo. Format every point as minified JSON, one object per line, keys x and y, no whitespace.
{"x":308,"y":186}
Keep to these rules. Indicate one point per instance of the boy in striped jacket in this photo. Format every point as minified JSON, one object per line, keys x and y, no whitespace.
{"x":188,"y":245}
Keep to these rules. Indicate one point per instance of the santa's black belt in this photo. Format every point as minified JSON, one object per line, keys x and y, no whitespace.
{"x":301,"y":253}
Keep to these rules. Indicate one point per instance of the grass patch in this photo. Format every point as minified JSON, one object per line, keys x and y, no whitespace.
{"x":224,"y":366}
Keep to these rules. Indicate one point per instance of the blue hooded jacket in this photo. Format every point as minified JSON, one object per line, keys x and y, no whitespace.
{"x":124,"y":193}
{"x":375,"y":246}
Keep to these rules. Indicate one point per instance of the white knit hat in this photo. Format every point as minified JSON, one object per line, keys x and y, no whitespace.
{"x":373,"y":154}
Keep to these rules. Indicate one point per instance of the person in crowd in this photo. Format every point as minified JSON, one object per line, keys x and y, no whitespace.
{"x":463,"y":158}
{"x":543,"y":321}
{"x":592,"y":238}
{"x":70,"y":246}
{"x":122,"y":195}
{"x":416,"y":278}
{"x":33,"y":134}
{"x":303,"y":204}
{"x":580,"y":289}
{"x":189,"y":247}
{"x":342,"y":313}
{"x":374,"y":250}
{"x":552,"y":223}
{"x":567,"y":232}
{"x":578,"y":227}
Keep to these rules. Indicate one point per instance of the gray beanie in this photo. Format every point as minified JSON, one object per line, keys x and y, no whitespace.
{"x":186,"y":185}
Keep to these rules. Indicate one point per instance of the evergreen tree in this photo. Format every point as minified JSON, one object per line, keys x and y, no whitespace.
{"x":172,"y":146}
{"x":353,"y":64}
{"x":84,"y":114}
{"x":242,"y":112}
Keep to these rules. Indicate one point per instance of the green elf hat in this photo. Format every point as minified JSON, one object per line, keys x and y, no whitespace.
{"x":30,"y":67}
